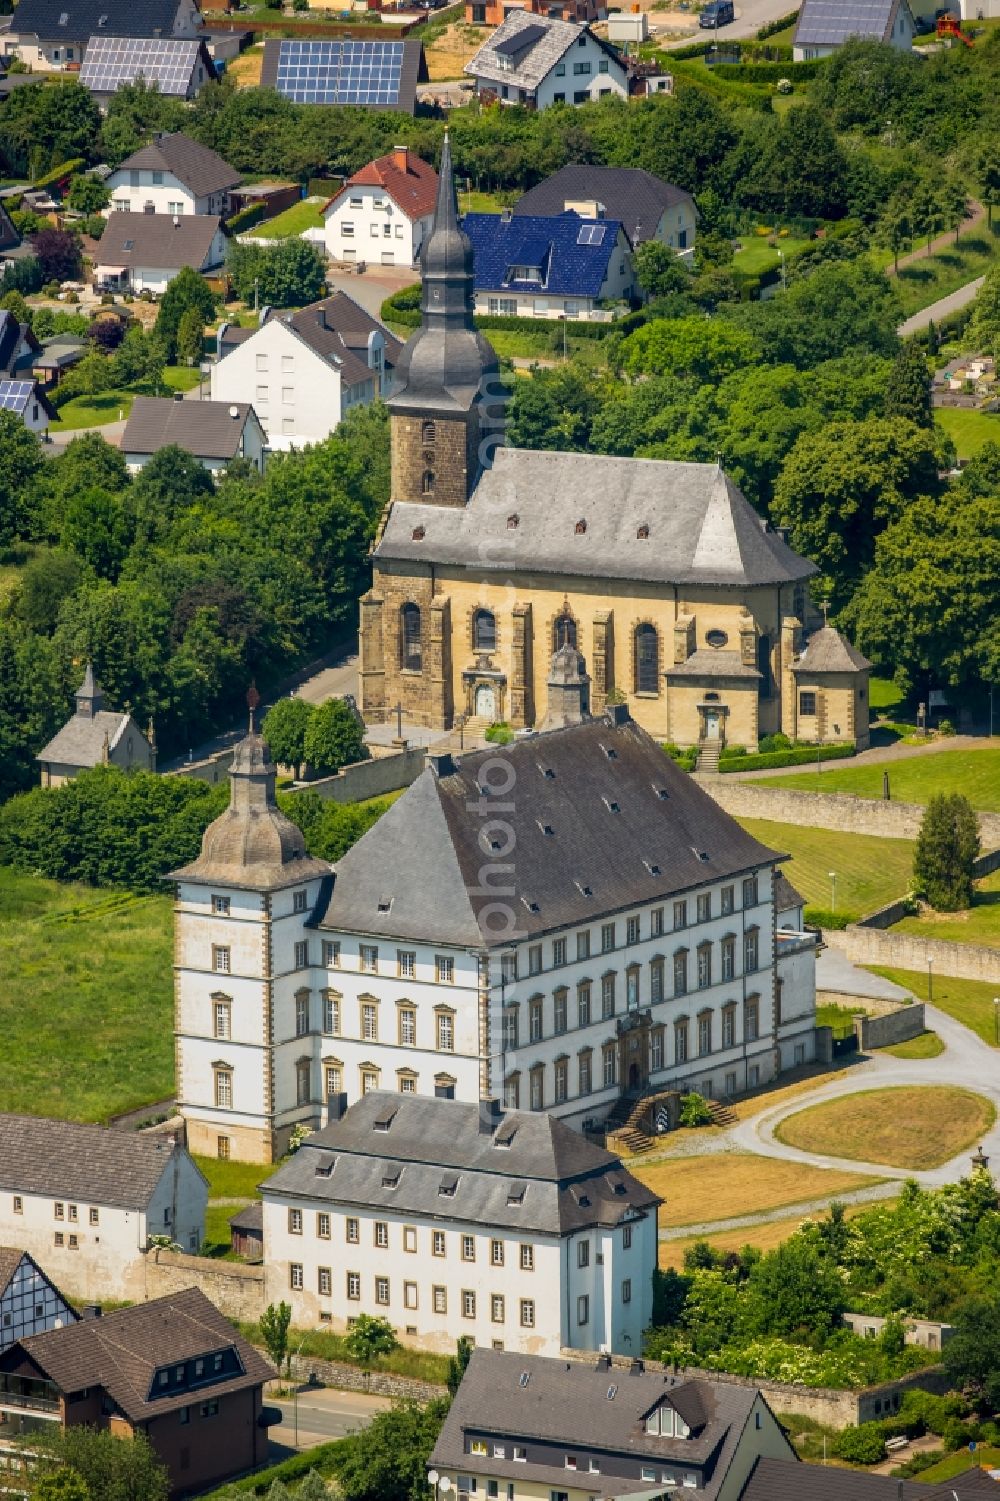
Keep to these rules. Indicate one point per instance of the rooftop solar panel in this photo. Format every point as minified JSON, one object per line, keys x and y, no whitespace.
{"x":340,"y":72}
{"x":168,"y":62}
{"x":15,"y":394}
{"x":829,"y":22}
{"x":519,"y":41}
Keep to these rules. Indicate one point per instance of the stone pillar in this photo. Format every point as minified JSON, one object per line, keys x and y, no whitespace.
{"x":371,"y":674}
{"x":440,"y":707}
{"x":603,"y":675}
{"x":521,"y":708}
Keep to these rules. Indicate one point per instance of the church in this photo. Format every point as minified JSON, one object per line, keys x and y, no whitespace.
{"x":685,"y":603}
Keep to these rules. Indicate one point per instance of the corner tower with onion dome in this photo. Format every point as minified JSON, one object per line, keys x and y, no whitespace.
{"x":246,"y":1007}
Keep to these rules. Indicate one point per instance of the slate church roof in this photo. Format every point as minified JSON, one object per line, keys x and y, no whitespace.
{"x":603,"y":820}
{"x":828,"y":651}
{"x":82,"y":739}
{"x":523,"y":1170}
{"x":653,"y":520}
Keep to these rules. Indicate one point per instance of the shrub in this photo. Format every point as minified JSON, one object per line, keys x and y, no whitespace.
{"x":864,"y":1445}
{"x":694,"y":1111}
{"x":802,"y":756}
{"x":499,"y":734}
{"x":769,"y":743}
{"x":822,"y":917}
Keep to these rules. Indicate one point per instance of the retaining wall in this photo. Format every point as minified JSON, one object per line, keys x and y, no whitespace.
{"x":237,"y":1290}
{"x":897,"y":1025}
{"x":350,"y":1378}
{"x":829,"y":810}
{"x":963,"y":961}
{"x":372,"y":778}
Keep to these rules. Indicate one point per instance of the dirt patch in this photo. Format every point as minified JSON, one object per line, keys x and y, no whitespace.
{"x":449,"y":52}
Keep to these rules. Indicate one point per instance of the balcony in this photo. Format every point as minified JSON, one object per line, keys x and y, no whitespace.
{"x":18,"y":1394}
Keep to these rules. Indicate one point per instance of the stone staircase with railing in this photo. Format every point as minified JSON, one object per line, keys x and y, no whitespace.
{"x":708,"y":756}
{"x":627,"y":1124}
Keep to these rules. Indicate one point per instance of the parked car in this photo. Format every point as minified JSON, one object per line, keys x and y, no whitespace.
{"x":717,"y":13}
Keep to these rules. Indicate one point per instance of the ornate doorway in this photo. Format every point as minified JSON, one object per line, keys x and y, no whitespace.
{"x":485,"y":702}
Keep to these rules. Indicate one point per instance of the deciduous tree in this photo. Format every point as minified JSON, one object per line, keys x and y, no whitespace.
{"x":334,"y":737}
{"x":284,"y":729}
{"x":274,"y":1324}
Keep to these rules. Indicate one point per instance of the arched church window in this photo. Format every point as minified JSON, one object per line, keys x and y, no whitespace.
{"x":647,"y":658}
{"x":410,"y":632}
{"x":564,"y":632}
{"x":428,"y":433}
{"x":427,"y":483}
{"x":484,"y":631}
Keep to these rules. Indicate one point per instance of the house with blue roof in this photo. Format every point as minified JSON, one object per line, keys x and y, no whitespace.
{"x":548,"y":266}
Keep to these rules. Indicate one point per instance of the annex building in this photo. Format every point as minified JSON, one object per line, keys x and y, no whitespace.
{"x":679,"y":595}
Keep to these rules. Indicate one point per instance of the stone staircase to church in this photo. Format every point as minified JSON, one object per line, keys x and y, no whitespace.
{"x":708,"y":756}
{"x":626,"y":1124}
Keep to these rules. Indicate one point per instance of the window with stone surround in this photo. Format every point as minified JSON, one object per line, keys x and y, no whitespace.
{"x":646,"y":658}
{"x":411,"y":653}
{"x":484,"y":631}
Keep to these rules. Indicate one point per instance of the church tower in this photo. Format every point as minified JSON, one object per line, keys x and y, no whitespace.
{"x":447,"y":403}
{"x":247,"y":1003}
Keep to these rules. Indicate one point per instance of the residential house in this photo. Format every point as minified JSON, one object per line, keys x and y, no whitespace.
{"x":602,"y":1429}
{"x":384,"y":212}
{"x":303,"y":370}
{"x":825,"y":25}
{"x":537,"y":61}
{"x":173,"y":175}
{"x":447,"y":1218}
{"x":95,"y":736}
{"x":928,"y":1334}
{"x":647,"y":207}
{"x":53,"y":34}
{"x":29,"y":1302}
{"x":634,"y":953}
{"x":173,"y":1369}
{"x":144,"y":252}
{"x":85,"y":1201}
{"x":494,"y":12}
{"x":536,"y":267}
{"x":176,"y":67}
{"x":776,"y":1479}
{"x":29,"y":401}
{"x":215,"y":432}
{"x":17,"y":345}
{"x":381,"y":74}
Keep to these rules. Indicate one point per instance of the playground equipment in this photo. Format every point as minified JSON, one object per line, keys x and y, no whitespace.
{"x":947,"y":27}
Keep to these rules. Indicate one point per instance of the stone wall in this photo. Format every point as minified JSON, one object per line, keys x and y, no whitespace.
{"x":826,"y":810}
{"x":372,"y":778}
{"x":897,"y":1025}
{"x":825,"y":1404}
{"x":350,"y":1378}
{"x":963,"y":961}
{"x":236,"y":1290}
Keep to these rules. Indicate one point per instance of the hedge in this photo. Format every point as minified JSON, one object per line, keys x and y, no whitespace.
{"x":751,"y":72}
{"x":246,"y":217}
{"x":801,"y":756}
{"x":781,"y":24}
{"x":397,"y":309}
{"x":324,"y":187}
{"x":65,"y":169}
{"x":296,"y":1468}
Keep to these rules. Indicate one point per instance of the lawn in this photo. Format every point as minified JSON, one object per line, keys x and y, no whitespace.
{"x":233,"y":1180}
{"x":758,"y":257}
{"x":870,"y":871}
{"x":181,"y":377}
{"x":722,"y":1185}
{"x":957,"y":1463}
{"x":292,"y":221}
{"x":911,"y":1127}
{"x":924,"y":1045}
{"x":927,"y":278}
{"x":837,"y":1017}
{"x":913,"y":779}
{"x":765,"y":1237}
{"x":86,"y":999}
{"x":980,"y":924}
{"x":968,"y":1001}
{"x":884,"y":694}
{"x":93,"y":411}
{"x":968,"y":430}
{"x":482,"y":203}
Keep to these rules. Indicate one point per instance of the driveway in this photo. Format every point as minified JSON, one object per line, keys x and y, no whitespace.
{"x":940,"y":309}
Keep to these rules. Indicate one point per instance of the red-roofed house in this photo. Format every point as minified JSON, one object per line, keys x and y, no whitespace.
{"x":383,"y":212}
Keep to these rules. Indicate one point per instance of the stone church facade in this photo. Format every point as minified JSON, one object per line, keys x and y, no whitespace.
{"x":681,"y":598}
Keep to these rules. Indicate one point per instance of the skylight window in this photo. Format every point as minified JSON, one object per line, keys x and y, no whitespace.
{"x":515,"y":1194}
{"x":654,"y":870}
{"x":611,"y":806}
{"x":390,"y":1178}
{"x":591,"y":234}
{"x":583,"y":890}
{"x":532,"y":906}
{"x":524,"y":1378}
{"x":546,"y":829}
{"x":447,"y":1186}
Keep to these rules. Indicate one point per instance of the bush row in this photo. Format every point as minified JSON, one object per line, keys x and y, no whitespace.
{"x":766,"y":72}
{"x":296,"y":1468}
{"x":404,"y":308}
{"x":323,"y":187}
{"x":246,"y":217}
{"x":65,"y":169}
{"x":781,"y":24}
{"x":801,"y":756}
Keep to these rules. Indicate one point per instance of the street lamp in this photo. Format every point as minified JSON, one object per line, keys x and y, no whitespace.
{"x":996,"y":1021}
{"x":930,"y":981}
{"x":833,"y":890}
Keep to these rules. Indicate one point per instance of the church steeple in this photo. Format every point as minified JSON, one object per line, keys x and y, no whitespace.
{"x":447,"y":401}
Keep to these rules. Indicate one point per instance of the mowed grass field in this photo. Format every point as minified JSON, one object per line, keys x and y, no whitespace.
{"x":86,"y":999}
{"x":870,"y":871}
{"x":968,"y":1001}
{"x":291,"y":222}
{"x":968,"y":430}
{"x":722,"y":1185}
{"x":980,"y":924}
{"x":913,"y":779}
{"x":927,"y":278}
{"x":912,"y":1127}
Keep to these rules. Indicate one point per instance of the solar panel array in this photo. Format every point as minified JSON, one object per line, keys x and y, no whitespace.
{"x":15,"y":394}
{"x":518,"y":41}
{"x":591,"y":234}
{"x":111,"y":61}
{"x":828,"y":22}
{"x":340,"y":72}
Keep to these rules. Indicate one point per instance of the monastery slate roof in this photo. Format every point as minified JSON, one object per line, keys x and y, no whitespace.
{"x":207,"y":429}
{"x":157,"y":240}
{"x":84,"y":18}
{"x":653,"y":520}
{"x":828,"y":651}
{"x":122,"y":1352}
{"x":570,"y":1404}
{"x":603,"y":820}
{"x":522,"y":1170}
{"x":779,"y":1480}
{"x":66,"y":1159}
{"x":80,"y":742}
{"x":546,"y":41}
{"x":785,"y":895}
{"x":706,"y":662}
{"x":636,"y":198}
{"x":196,"y":166}
{"x":572,"y":254}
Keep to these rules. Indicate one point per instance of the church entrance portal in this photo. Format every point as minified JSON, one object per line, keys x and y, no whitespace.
{"x":711,"y":724}
{"x":486,"y":702}
{"x":634,"y":1077}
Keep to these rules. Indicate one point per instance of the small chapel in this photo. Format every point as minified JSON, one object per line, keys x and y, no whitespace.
{"x":686,"y":603}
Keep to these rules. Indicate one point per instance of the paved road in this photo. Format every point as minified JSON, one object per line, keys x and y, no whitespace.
{"x":941,"y":308}
{"x":324,"y":1414}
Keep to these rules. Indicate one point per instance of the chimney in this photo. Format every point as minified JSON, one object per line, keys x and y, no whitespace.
{"x":603,"y":1363}
{"x":618,"y":713}
{"x":442,"y":764}
{"x":336,"y":1105}
{"x":490,"y":1115}
{"x":636,"y":1368}
{"x":178,"y":395}
{"x":401,"y":158}
{"x":90,"y":1311}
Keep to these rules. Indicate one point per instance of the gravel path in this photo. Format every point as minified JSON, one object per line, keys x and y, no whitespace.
{"x":940,"y":309}
{"x":783,"y":1212}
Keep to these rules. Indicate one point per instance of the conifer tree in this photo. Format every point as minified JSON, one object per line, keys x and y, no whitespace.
{"x":947,"y":846}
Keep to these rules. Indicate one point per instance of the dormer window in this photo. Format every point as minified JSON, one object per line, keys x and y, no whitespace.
{"x":513,"y":522}
{"x":666,"y":1422}
{"x":581,"y":527}
{"x":643,"y":533}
